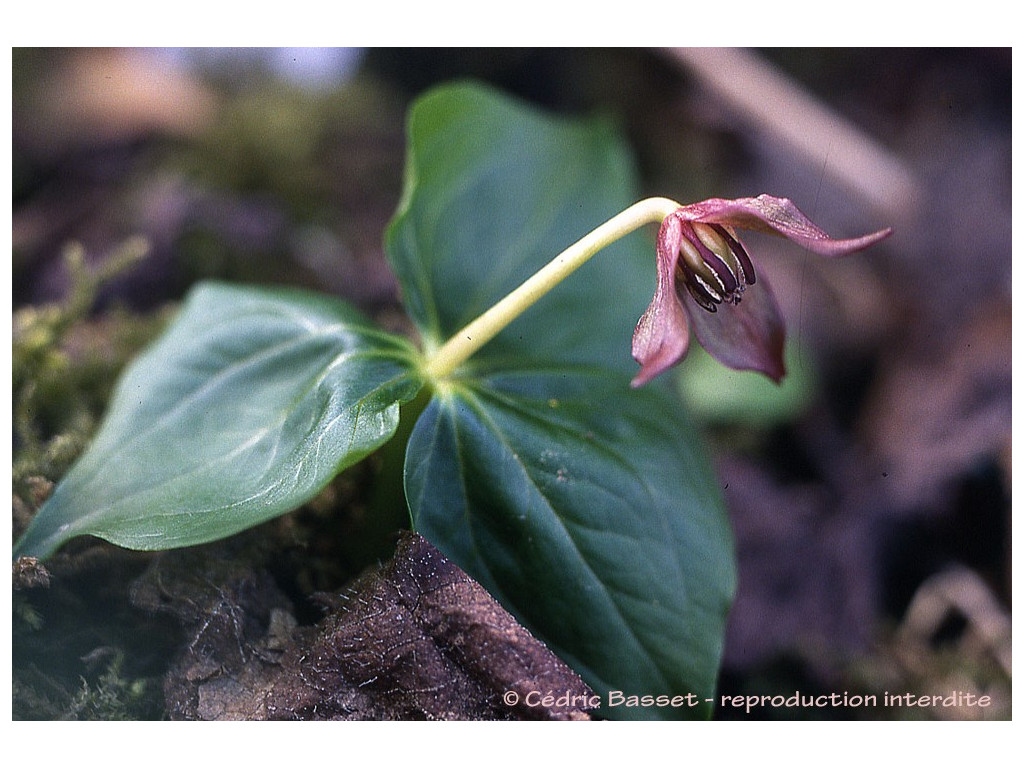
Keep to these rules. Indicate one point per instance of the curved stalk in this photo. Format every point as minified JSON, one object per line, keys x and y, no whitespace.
{"x":463,"y":344}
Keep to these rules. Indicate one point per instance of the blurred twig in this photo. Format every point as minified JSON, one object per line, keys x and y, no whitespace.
{"x":959,"y":590}
{"x":780,"y":108}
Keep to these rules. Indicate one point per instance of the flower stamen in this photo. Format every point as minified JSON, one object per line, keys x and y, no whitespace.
{"x":701,"y":292}
{"x":735,"y":247}
{"x":714,"y":267}
{"x":718,"y":256}
{"x":695,"y":261}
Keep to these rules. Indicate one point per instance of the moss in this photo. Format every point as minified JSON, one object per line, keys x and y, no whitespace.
{"x":70,"y":645}
{"x":110,"y":695}
{"x":65,"y":364}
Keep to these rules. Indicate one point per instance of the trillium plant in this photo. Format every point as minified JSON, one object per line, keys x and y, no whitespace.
{"x":537,"y":456}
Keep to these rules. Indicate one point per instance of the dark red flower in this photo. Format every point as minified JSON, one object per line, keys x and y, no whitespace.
{"x":706,"y":279}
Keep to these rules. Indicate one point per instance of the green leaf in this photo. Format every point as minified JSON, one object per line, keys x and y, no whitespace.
{"x":246,"y":407}
{"x":495,"y":190}
{"x":589,"y":510}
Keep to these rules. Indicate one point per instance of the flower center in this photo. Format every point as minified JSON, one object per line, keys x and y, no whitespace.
{"x":714,"y":267}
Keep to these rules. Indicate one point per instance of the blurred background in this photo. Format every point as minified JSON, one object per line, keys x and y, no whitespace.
{"x":870,"y":494}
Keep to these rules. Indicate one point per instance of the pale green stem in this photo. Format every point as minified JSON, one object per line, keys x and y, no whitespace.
{"x":467,"y":341}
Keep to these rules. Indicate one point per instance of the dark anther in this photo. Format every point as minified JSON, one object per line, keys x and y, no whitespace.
{"x":739,"y":252}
